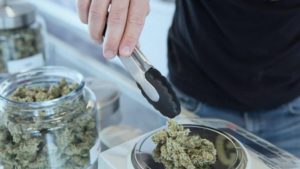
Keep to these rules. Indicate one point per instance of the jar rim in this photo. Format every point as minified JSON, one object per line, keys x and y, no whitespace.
{"x":48,"y":103}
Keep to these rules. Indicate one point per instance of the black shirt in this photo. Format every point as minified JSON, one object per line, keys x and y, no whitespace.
{"x":237,"y":54}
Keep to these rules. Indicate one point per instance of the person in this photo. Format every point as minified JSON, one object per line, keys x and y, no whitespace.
{"x":237,"y":60}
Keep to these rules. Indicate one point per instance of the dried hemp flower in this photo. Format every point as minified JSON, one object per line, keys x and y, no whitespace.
{"x":176,"y":148}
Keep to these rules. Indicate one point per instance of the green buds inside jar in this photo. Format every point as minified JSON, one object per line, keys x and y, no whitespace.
{"x":21,"y":38}
{"x":48,"y":119}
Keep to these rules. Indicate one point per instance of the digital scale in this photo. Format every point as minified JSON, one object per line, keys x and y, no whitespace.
{"x":236,"y":149}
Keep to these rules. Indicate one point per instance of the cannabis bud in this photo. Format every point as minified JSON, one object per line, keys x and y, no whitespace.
{"x":58,"y":137}
{"x":176,"y":148}
{"x":18,"y":44}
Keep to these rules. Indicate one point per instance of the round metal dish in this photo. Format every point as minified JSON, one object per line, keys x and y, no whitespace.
{"x":108,"y":100}
{"x":230,"y":153}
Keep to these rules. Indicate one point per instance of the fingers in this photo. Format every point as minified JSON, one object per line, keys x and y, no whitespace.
{"x":125,"y":22}
{"x":83,"y":9}
{"x":138,"y":11}
{"x":97,"y":16}
{"x":115,"y":27}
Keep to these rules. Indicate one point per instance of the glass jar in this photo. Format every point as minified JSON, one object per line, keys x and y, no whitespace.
{"x":57,"y":134}
{"x":22,"y":45}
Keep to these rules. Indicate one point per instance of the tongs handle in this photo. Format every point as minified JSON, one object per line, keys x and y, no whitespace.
{"x":137,"y":65}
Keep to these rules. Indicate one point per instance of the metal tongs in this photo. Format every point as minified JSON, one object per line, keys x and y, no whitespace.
{"x":154,"y":87}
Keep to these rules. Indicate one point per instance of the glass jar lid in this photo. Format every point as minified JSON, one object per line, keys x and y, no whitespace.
{"x":15,"y":14}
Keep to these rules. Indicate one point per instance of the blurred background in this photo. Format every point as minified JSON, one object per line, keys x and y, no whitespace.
{"x":62,"y":21}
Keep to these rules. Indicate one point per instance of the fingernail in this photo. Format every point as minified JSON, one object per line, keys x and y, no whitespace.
{"x":126,"y":51}
{"x":109,"y":54}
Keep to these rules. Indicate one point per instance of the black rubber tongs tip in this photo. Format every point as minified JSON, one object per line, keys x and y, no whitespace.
{"x":168,"y":103}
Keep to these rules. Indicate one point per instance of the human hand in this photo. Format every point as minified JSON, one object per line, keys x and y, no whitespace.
{"x":125,"y":21}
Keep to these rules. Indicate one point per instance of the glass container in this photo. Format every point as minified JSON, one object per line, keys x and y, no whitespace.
{"x":61,"y":133}
{"x":22,"y":45}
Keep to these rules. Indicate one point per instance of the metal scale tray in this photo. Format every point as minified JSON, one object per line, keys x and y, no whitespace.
{"x":226,"y":146}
